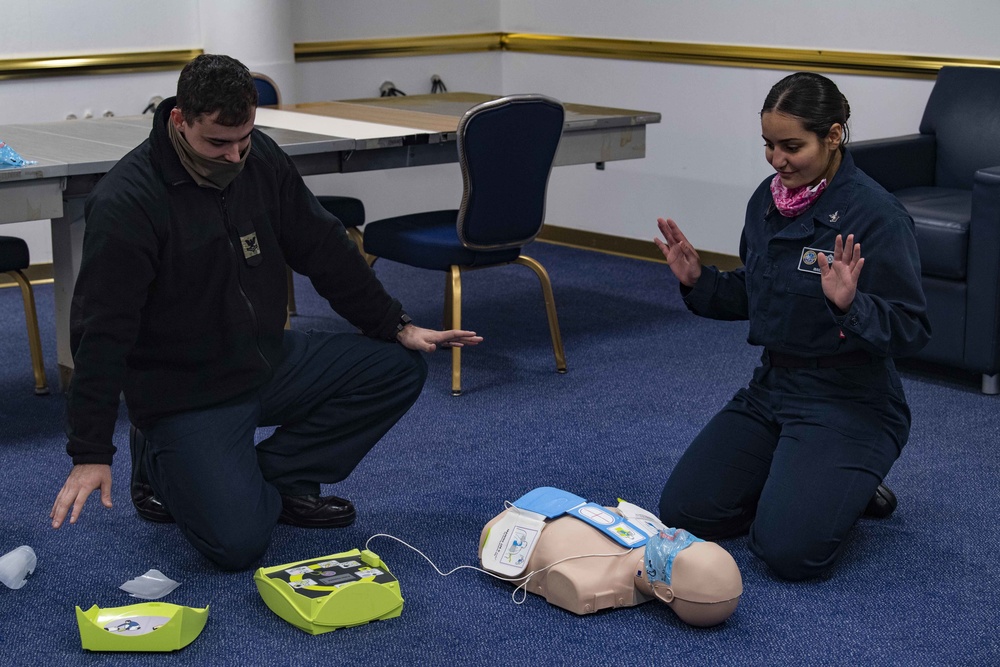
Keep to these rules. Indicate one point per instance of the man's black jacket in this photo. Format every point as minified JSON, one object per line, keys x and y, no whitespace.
{"x":173,"y":306}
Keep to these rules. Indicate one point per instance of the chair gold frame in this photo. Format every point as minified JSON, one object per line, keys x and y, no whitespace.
{"x":34,"y":338}
{"x":453,"y":314}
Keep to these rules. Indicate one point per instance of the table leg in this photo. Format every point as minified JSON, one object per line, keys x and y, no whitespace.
{"x":67,"y":250}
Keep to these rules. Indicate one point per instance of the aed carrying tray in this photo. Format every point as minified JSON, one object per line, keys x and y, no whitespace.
{"x":146,"y":626}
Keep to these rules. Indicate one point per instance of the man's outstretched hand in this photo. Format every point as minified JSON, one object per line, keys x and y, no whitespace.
{"x":428,"y":340}
{"x":83,"y":480}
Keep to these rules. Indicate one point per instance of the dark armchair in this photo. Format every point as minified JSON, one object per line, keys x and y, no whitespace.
{"x":948,"y":178}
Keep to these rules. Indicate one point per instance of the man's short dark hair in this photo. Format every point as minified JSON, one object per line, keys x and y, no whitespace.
{"x":211,"y":83}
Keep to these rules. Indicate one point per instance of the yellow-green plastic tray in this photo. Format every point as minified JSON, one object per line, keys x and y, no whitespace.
{"x":147,"y":626}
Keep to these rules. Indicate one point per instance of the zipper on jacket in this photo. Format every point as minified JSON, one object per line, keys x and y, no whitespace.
{"x":230,"y":230}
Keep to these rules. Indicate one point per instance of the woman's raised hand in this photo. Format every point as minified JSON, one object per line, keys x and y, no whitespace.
{"x":681,"y":256}
{"x":840,"y":279}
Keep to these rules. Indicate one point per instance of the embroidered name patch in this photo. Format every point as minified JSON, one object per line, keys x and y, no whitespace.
{"x":809,"y":259}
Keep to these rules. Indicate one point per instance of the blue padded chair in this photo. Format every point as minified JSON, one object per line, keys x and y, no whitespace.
{"x":267,"y":90}
{"x":14,"y":259}
{"x":948,"y":178}
{"x":505,"y":151}
{"x":349,"y":210}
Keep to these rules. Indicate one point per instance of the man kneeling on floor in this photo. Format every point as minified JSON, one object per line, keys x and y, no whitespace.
{"x":180,"y":304}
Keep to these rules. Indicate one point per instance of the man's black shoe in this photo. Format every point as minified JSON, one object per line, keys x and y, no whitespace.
{"x":316,"y":511}
{"x":882,"y":504}
{"x":147,"y":505}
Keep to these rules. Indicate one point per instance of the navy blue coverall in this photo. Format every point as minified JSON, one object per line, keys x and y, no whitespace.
{"x":796,"y":455}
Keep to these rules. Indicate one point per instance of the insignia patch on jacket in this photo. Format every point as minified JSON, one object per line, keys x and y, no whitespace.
{"x":250,"y":247}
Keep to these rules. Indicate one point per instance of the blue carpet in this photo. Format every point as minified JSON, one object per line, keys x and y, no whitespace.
{"x":644,"y":376}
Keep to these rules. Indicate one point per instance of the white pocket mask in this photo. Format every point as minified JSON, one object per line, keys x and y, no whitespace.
{"x":16,"y":565}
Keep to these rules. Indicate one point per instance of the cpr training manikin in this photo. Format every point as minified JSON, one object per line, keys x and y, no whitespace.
{"x":583,"y":557}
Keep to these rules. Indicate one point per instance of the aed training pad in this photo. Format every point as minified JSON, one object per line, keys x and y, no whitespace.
{"x":148,"y":626}
{"x":337,"y":591}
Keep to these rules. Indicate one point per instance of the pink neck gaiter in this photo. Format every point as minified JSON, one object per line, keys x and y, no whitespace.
{"x":794,"y":201}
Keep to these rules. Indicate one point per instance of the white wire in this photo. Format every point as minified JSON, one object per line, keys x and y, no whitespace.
{"x":525,"y":577}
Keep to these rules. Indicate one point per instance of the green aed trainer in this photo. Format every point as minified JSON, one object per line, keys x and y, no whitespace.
{"x":148,"y":626}
{"x":337,"y":591}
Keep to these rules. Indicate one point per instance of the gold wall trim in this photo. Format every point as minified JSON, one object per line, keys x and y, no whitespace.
{"x":843,"y":62}
{"x":618,"y":245}
{"x":725,"y":55}
{"x":109,"y":63}
{"x":399,"y":46}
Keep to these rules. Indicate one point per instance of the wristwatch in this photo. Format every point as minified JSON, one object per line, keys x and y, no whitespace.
{"x":404,"y":319}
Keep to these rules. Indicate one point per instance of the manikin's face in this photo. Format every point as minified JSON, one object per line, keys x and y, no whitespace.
{"x":799,"y":156}
{"x":220,"y":142}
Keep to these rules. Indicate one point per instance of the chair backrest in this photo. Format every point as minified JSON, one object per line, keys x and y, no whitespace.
{"x":505,"y":150}
{"x":267,"y":89}
{"x":963,"y":113}
{"x":13,"y":254}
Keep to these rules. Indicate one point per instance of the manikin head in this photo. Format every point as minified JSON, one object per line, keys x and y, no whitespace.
{"x":702,"y":583}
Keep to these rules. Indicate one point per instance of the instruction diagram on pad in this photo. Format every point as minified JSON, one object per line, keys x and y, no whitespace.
{"x":511,"y":541}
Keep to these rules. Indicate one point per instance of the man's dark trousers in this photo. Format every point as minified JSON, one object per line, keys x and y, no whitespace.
{"x":332,"y":398}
